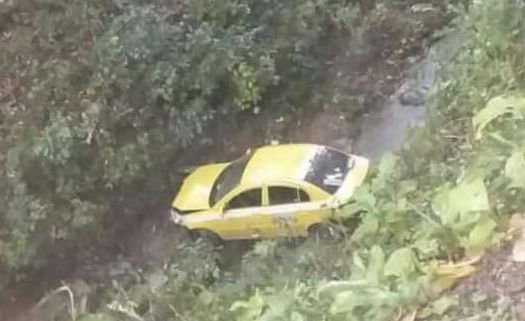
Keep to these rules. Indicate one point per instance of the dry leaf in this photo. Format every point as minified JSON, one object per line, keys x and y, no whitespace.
{"x":410,"y":316}
{"x":517,"y":221}
{"x":518,"y":251}
{"x":517,"y":226}
{"x":447,"y":274}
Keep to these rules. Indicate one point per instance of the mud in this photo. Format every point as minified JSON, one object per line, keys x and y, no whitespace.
{"x":495,"y":292}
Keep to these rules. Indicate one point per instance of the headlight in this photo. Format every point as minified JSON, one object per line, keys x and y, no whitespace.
{"x":175,"y":217}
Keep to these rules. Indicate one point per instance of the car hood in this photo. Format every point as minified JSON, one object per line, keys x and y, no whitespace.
{"x":194,"y":194}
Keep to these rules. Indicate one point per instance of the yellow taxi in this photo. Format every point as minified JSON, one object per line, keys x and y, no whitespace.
{"x":274,"y":191}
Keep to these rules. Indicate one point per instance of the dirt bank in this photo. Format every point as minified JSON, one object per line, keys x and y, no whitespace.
{"x":495,"y":292}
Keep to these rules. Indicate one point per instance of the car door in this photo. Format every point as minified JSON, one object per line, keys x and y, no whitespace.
{"x":285,"y":213}
{"x":239,"y":215}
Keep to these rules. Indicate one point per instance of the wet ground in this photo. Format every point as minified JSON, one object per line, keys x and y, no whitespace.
{"x":385,"y":128}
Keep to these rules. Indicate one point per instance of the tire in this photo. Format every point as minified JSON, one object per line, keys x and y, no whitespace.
{"x":206,"y":237}
{"x":351,"y":225}
{"x":323,"y":232}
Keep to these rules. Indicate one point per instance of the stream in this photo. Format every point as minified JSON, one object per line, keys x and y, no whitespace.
{"x":385,"y":128}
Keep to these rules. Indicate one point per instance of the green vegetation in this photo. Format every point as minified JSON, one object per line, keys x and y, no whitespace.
{"x":447,"y":195}
{"x":99,"y":98}
{"x":114,"y":97}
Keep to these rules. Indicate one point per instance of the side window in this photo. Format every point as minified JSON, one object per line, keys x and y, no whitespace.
{"x":286,"y":195}
{"x":249,"y":198}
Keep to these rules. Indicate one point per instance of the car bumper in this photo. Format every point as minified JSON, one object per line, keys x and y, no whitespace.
{"x":175,"y":217}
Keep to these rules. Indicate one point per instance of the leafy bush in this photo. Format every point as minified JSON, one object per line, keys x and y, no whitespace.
{"x":444,"y":197}
{"x":109,"y":93}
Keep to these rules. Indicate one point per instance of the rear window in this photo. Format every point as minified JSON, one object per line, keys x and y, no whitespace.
{"x":228,"y":179}
{"x":328,"y":168}
{"x":286,"y":195}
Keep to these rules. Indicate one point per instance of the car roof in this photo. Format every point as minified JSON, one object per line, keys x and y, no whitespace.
{"x":278,"y":162}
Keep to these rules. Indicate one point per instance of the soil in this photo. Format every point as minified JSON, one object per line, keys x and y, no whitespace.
{"x":371,"y":69}
{"x":495,"y":292}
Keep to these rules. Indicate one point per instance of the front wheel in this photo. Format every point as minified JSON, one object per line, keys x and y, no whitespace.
{"x":324,"y":232}
{"x":351,"y":224}
{"x":207,"y":237}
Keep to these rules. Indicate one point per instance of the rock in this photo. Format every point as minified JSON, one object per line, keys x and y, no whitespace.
{"x":519,"y":311}
{"x":413,"y":97}
{"x":344,"y":144}
{"x":516,"y":287}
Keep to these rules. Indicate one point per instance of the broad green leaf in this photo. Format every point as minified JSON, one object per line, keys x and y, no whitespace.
{"x":401,"y":205}
{"x":386,"y":168}
{"x":157,"y":280}
{"x":480,"y":238}
{"x":388,"y":164}
{"x":359,"y":268}
{"x":239,"y":305}
{"x":460,"y":202}
{"x":515,"y":169}
{"x":483,"y":164}
{"x":95,"y":317}
{"x":401,"y":263}
{"x":374,"y":300}
{"x":406,"y":187}
{"x":443,"y":304}
{"x":376,"y":265}
{"x":364,"y":198}
{"x":427,"y":246}
{"x":333,"y":288}
{"x":296,"y":316}
{"x":369,"y":226}
{"x":495,"y":108}
{"x":470,"y":196}
{"x":277,"y":306}
{"x":347,"y":301}
{"x":441,"y":205}
{"x":412,"y":288}
{"x":250,"y":310}
{"x":206,"y":297}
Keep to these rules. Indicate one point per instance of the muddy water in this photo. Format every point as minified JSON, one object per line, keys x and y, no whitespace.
{"x":385,"y":128}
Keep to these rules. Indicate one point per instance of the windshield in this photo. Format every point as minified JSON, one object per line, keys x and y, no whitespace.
{"x":228,"y":179}
{"x":328,"y":168}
